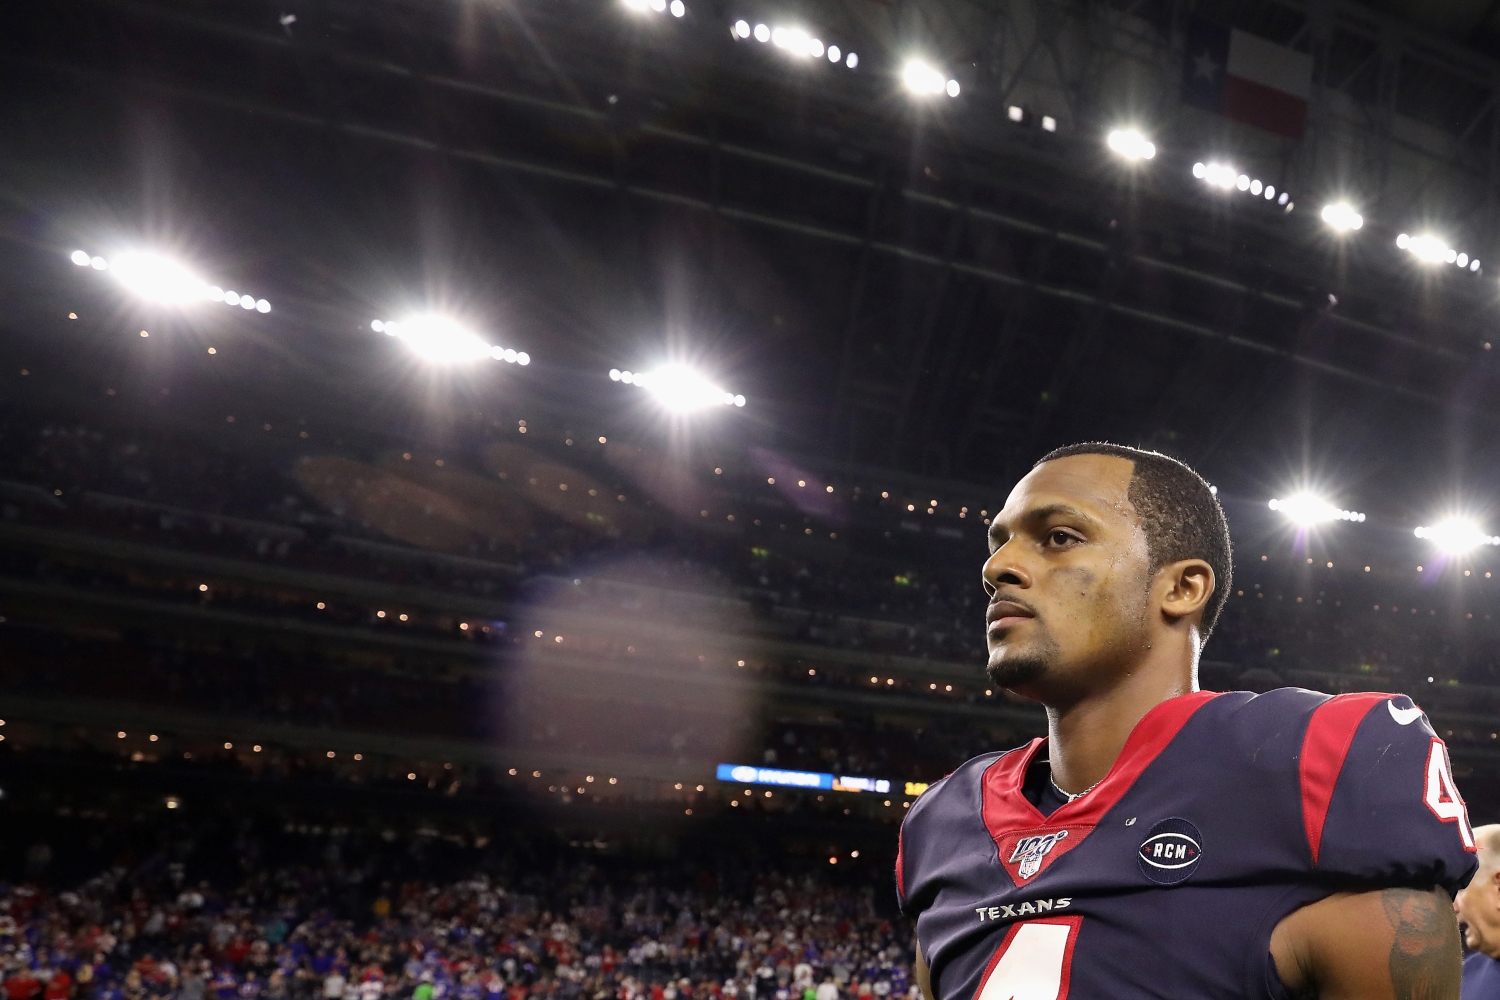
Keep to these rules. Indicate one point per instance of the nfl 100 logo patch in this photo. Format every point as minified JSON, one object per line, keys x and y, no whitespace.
{"x":1030,"y":851}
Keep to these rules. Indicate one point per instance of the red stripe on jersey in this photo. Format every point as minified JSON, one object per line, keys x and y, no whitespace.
{"x":900,"y":866}
{"x":1007,"y":812}
{"x":1330,"y":732}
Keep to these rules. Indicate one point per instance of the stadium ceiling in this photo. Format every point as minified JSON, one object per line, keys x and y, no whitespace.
{"x":929,"y":285}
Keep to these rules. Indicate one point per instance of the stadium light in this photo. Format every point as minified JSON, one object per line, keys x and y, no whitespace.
{"x":1131,"y":144}
{"x":1305,"y":510}
{"x":443,"y":340}
{"x":1226,"y":177}
{"x":924,"y":81}
{"x":678,"y":388}
{"x":1456,"y":535}
{"x":1219,"y":175}
{"x":1431,"y":249}
{"x":793,"y":41}
{"x":156,"y":278}
{"x":1342,"y":217}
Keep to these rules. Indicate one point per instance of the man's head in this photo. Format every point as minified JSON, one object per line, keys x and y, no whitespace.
{"x":1100,"y":553}
{"x":1478,"y":903}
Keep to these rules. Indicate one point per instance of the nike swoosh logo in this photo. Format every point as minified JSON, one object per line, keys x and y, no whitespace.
{"x":1403,"y":716}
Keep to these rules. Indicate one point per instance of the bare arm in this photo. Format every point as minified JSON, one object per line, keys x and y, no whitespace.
{"x":1392,"y":944}
{"x":924,"y":977}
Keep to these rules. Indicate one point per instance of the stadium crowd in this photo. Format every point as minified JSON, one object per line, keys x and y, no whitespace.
{"x":575,"y":931}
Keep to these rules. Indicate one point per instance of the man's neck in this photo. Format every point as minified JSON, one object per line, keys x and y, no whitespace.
{"x":1085,"y":738}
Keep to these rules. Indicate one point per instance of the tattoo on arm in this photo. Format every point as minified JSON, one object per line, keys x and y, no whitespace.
{"x":1425,"y":955}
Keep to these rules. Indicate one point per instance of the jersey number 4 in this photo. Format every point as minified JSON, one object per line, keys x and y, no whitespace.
{"x":1442,"y":796}
{"x":1033,"y":962}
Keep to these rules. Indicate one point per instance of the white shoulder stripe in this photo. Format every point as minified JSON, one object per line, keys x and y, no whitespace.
{"x":1403,"y":716}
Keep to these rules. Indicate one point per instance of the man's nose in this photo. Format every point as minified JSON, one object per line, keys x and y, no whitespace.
{"x":1004,"y":567}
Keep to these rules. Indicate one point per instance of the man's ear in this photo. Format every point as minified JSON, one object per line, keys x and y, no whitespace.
{"x":1189,"y":584}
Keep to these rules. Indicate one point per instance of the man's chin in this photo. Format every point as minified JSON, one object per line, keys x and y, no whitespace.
{"x":1013,"y":669}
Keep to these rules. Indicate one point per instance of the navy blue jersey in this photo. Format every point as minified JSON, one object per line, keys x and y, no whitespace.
{"x":1481,"y":978}
{"x":1223,"y":814}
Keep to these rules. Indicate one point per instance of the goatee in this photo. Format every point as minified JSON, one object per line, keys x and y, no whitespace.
{"x":1011,"y":671}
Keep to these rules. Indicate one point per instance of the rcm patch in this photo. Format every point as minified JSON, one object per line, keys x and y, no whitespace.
{"x":1171,"y":851}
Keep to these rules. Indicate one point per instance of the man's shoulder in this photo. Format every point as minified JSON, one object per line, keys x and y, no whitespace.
{"x":1291,"y":710}
{"x":961,"y":788}
{"x":1481,"y":977}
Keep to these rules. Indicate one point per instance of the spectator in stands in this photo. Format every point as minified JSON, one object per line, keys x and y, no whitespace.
{"x":59,"y":985}
{"x":1478,"y":907}
{"x":22,"y":983}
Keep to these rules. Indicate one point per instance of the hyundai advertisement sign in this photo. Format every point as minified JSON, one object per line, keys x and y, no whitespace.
{"x":745,"y":774}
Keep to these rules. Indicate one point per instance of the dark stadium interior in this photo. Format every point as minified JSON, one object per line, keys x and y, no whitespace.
{"x":310,"y":649}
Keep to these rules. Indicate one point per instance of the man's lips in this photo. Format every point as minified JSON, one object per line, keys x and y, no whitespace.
{"x":1004,"y":614}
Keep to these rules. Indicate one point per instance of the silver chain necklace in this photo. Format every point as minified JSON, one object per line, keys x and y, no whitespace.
{"x":1072,"y":796}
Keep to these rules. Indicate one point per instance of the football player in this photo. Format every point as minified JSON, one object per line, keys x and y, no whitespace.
{"x":1164,"y":841}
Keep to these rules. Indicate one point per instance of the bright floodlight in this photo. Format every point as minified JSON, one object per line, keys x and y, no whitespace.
{"x":796,"y":41}
{"x":1456,"y":535}
{"x":1304,"y":510}
{"x":742,"y":29}
{"x":443,"y":340}
{"x":678,"y":388}
{"x":1431,"y":250}
{"x":1428,"y":249}
{"x":158,"y":279}
{"x":922,"y":79}
{"x":438,"y":339}
{"x":1129,"y":143}
{"x":1342,"y":217}
{"x":1219,"y":175}
{"x":161,"y":279}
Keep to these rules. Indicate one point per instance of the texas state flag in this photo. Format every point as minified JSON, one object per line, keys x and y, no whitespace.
{"x":1247,"y":78}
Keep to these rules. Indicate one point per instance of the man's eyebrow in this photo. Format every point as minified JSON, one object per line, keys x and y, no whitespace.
{"x":1039,"y":514}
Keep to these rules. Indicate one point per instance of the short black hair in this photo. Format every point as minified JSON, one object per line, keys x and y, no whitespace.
{"x":1179,"y":513}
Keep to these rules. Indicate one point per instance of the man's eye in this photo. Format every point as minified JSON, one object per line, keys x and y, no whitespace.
{"x":1058,"y":537}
